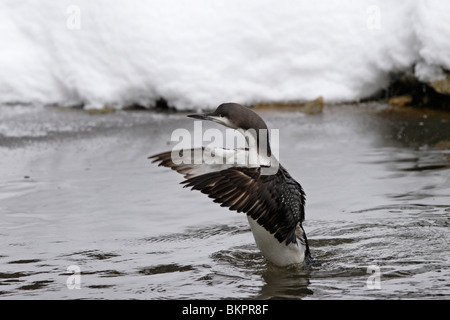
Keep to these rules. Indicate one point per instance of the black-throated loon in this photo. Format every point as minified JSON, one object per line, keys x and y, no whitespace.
{"x":274,"y":203}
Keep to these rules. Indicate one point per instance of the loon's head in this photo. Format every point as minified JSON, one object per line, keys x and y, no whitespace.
{"x":235,"y":116}
{"x":244,"y":120}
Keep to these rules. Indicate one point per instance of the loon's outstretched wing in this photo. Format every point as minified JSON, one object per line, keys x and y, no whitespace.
{"x":197,"y":161}
{"x":276,"y":202}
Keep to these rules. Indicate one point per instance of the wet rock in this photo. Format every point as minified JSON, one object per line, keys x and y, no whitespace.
{"x":442,"y":86}
{"x":103,"y":110}
{"x":314,"y":106}
{"x":311,"y":107}
{"x":406,"y":90}
{"x":400,"y":101}
{"x":443,"y":145}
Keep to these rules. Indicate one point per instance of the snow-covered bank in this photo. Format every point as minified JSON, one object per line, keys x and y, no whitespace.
{"x":200,"y":53}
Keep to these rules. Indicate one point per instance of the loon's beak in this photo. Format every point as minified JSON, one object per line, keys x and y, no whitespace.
{"x":201,"y":117}
{"x":206,"y":116}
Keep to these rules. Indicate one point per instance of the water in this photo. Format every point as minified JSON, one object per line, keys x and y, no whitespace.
{"x":77,"y":190}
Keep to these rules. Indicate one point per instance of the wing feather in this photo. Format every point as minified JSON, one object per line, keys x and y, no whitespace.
{"x":199,"y":160}
{"x":275,"y":203}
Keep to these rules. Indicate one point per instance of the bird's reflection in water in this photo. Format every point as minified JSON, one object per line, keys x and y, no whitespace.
{"x":285,"y":283}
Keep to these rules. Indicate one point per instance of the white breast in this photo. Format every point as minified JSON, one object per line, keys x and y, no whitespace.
{"x":278,"y":253}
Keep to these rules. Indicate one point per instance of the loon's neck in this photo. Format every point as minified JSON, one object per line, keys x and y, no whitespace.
{"x":260,"y":153}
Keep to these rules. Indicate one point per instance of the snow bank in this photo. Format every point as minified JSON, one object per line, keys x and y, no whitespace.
{"x":200,"y":53}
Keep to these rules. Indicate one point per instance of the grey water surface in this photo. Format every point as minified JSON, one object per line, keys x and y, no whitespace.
{"x":77,"y":191}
